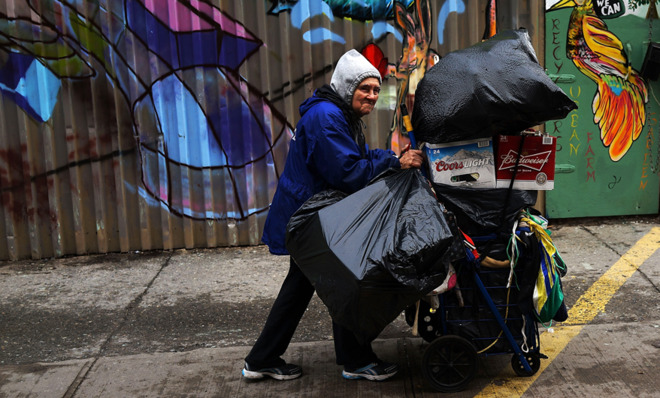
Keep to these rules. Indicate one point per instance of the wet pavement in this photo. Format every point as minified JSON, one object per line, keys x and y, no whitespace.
{"x":179,"y":323}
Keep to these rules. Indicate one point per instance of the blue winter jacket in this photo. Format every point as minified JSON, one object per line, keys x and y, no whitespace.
{"x":322,"y":155}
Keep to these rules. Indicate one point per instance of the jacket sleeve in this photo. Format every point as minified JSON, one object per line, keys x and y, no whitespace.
{"x":335,"y":155}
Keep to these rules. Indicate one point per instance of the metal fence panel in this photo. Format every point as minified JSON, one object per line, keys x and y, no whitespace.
{"x":142,"y":125}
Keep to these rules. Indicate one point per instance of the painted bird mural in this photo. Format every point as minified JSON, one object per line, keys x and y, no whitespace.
{"x":619,"y":102}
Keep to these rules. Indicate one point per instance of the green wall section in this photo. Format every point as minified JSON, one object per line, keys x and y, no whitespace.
{"x":588,"y":183}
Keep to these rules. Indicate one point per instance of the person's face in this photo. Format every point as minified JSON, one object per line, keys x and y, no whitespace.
{"x":365,"y":96}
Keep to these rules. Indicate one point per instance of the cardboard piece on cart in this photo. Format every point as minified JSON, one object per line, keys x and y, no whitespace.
{"x":462,"y":163}
{"x":536,"y":166}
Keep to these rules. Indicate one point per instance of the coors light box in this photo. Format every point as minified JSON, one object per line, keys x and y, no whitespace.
{"x":462,"y":163}
{"x":536,"y":167}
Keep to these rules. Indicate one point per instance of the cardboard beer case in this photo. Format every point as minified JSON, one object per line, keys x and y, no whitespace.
{"x":536,"y":166}
{"x":467,"y":163}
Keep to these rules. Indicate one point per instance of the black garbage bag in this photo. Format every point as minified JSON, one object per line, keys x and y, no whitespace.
{"x":483,"y":211}
{"x":494,"y":87}
{"x":371,"y":254}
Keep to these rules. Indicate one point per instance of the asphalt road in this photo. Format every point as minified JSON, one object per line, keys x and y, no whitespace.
{"x":77,"y":311}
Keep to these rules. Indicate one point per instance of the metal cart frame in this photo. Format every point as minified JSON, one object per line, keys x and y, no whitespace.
{"x":450,"y":362}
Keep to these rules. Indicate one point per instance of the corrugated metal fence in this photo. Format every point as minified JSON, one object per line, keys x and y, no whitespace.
{"x":162,"y":124}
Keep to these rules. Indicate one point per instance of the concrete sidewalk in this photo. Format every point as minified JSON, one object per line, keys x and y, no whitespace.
{"x":175,"y":324}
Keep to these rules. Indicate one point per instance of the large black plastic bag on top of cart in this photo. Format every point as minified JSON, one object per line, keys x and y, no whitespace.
{"x":493,"y":87}
{"x":371,"y":254}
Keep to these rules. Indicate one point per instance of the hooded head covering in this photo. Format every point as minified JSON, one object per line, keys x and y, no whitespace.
{"x":351,"y":69}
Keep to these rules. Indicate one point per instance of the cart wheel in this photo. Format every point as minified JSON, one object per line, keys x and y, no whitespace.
{"x":534,"y":361}
{"x":449,"y":363}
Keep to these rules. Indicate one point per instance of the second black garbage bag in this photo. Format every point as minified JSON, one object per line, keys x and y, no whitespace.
{"x":371,"y":254}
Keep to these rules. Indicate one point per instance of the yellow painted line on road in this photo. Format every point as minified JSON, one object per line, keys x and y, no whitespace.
{"x":590,"y":304}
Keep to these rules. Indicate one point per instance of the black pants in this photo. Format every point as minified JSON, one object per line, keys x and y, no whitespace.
{"x":289,"y":307}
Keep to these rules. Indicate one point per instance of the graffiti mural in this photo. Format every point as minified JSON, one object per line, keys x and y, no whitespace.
{"x":154,"y":56}
{"x":147,"y":124}
{"x":416,"y":57}
{"x":410,"y":22}
{"x":607,"y":148}
{"x":376,"y":11}
{"x":619,"y":103}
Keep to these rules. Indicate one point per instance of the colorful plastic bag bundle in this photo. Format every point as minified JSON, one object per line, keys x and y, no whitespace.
{"x":548,"y":296}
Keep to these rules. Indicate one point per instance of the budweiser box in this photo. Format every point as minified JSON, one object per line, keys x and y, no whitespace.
{"x":462,"y":163}
{"x":536,"y":166}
